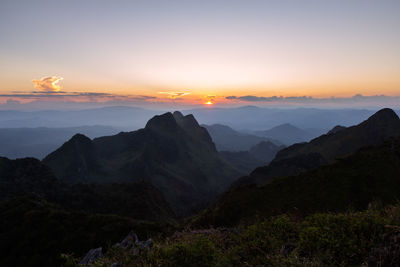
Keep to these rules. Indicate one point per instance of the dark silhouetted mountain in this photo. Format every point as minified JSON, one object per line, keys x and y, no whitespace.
{"x":172,"y":152}
{"x":39,"y":142}
{"x":258,"y":155}
{"x":75,"y":161}
{"x":326,"y":148}
{"x":371,"y":174}
{"x":227,"y":139}
{"x":26,"y":175}
{"x":383,"y":124}
{"x":139,"y":200}
{"x":287,"y":134}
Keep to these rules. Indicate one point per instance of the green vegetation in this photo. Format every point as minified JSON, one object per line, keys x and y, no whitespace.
{"x":322,"y":239}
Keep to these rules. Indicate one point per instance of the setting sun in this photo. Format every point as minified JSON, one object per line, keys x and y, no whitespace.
{"x":208,"y":103}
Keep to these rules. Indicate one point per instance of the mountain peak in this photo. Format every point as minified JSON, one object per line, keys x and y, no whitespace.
{"x":164,"y":121}
{"x":177,"y":115}
{"x":80,"y":138}
{"x":385,"y":114}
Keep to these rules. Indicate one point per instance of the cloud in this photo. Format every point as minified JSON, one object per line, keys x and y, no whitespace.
{"x":174,"y":95}
{"x":310,"y":100}
{"x":48,"y":84}
{"x":79,"y":96}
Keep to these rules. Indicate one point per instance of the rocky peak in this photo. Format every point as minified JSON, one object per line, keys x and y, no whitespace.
{"x":177,"y":115}
{"x":165,"y":121}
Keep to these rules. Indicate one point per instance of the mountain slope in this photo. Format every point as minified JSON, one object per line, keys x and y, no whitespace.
{"x":265,"y":151}
{"x":172,"y":152}
{"x":326,"y":148}
{"x":287,"y":134}
{"x":227,"y":139}
{"x":258,"y":155}
{"x":371,"y":174}
{"x":139,"y":200}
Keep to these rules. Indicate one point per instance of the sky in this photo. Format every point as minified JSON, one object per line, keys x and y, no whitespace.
{"x":221,"y":53}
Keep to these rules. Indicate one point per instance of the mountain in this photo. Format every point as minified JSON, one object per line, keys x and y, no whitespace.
{"x":26,"y":175}
{"x":227,"y":139}
{"x":139,"y":200}
{"x":371,"y":174}
{"x":42,"y":217}
{"x":257,"y":118}
{"x":39,"y":142}
{"x":265,"y":151}
{"x":258,"y":155}
{"x":326,"y":148}
{"x":172,"y":152}
{"x":287,"y":134}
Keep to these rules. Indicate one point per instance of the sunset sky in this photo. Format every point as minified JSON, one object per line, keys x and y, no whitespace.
{"x":194,"y":52}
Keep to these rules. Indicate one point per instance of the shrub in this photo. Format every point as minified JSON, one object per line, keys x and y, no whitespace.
{"x":341,"y":238}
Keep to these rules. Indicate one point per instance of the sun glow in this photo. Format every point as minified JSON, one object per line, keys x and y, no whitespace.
{"x":208,"y":103}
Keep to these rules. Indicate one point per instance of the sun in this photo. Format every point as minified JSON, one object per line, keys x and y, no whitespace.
{"x":208,"y":103}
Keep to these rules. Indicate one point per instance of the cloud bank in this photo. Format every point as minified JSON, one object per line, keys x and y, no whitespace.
{"x":356,"y":99}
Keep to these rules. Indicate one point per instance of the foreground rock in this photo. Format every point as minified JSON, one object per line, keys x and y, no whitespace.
{"x":92,"y":256}
{"x":130,"y":242}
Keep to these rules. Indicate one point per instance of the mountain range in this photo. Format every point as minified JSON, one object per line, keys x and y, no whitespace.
{"x":289,"y":134}
{"x":39,"y":142}
{"x":354,"y":181}
{"x":227,"y":139}
{"x":138,"y":200}
{"x":173,"y":152}
{"x":91,"y":192}
{"x":327,"y":148}
{"x":257,"y":155}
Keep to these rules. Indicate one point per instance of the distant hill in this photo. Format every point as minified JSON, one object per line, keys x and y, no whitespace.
{"x":227,"y":139}
{"x":289,"y":134}
{"x":257,"y":118}
{"x":172,"y":152}
{"x":265,"y":151}
{"x":371,"y":174}
{"x":39,"y":142}
{"x":326,"y":148}
{"x":258,"y":155}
